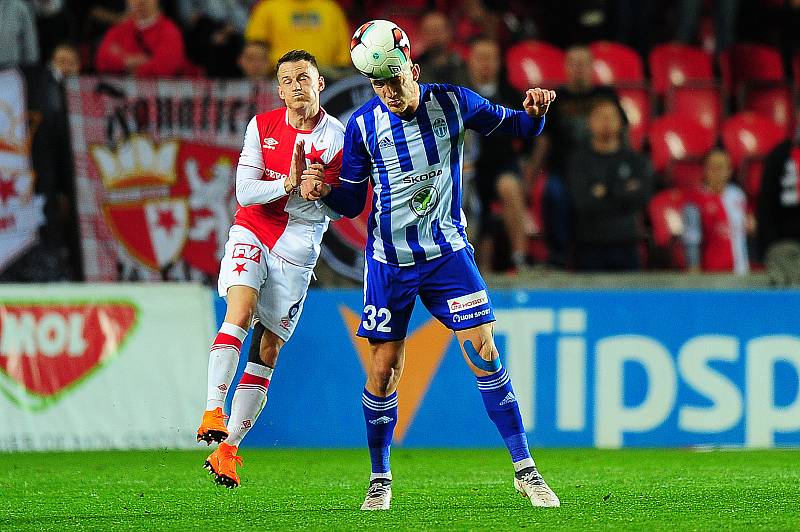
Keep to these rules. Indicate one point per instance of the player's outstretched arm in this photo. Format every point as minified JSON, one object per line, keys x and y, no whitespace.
{"x":488,"y":118}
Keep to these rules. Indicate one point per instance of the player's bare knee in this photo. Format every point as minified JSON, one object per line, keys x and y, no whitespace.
{"x":482,"y":354}
{"x":487,"y":349}
{"x":239,"y":312}
{"x":382,"y":376}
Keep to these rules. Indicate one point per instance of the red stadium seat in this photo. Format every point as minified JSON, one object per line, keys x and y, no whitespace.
{"x":678,"y":145}
{"x":688,"y":174}
{"x":616,"y":64}
{"x":774,"y":103}
{"x":636,"y":103}
{"x":534,"y":63}
{"x":666,"y":218}
{"x":747,"y":63}
{"x":676,"y":65}
{"x":748,"y":138}
{"x":703,"y":104}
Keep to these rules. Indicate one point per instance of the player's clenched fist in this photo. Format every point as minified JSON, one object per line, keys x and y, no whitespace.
{"x":313,"y":186}
{"x":537,"y":101}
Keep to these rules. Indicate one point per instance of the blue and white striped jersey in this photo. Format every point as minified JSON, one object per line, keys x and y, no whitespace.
{"x":415,"y":168}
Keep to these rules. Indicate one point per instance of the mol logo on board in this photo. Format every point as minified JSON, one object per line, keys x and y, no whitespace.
{"x":47,"y":348}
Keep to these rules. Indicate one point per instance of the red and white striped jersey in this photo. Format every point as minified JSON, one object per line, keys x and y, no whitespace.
{"x":288,"y":225}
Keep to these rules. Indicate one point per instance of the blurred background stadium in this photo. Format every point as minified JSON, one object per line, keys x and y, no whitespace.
{"x":643,"y":253}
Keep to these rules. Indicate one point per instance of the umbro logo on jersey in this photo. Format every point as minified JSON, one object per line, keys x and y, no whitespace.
{"x":509,"y":398}
{"x":385,"y":142}
{"x":270,"y":143}
{"x":383,"y":420}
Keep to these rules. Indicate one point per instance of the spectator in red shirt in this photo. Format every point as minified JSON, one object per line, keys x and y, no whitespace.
{"x":144,"y":44}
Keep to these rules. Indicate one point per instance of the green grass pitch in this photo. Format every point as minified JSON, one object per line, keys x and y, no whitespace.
{"x":433,"y":490}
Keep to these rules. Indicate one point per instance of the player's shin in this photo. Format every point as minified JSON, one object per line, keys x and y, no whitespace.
{"x":503,"y":409}
{"x":222,"y":363}
{"x":248,"y":401}
{"x":380,"y":415}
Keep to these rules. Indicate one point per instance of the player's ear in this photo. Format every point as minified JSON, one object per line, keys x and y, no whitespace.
{"x":281,"y":95}
{"x":321,"y":83}
{"x":415,"y":71}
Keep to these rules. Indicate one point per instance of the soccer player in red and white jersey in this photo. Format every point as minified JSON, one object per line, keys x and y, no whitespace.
{"x":271,"y":251}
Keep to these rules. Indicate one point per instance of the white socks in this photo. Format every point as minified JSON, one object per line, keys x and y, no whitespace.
{"x":248,"y":401}
{"x":222,"y":363}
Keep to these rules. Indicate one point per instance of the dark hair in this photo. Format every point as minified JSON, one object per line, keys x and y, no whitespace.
{"x":296,"y":55}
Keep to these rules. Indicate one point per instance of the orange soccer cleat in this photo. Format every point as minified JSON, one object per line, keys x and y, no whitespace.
{"x":212,"y":428}
{"x":222,"y":465}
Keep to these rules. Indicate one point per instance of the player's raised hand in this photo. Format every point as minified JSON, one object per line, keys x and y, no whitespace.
{"x":537,"y":101}
{"x":297,"y":167}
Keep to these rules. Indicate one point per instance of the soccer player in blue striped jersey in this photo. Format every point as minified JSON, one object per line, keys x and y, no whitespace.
{"x":407,"y":142}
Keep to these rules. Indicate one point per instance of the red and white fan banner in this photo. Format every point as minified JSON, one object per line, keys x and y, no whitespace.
{"x":155,"y":167}
{"x":21,"y":211}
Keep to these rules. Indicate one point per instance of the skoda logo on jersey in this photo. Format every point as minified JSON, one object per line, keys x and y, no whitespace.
{"x":440,"y":127}
{"x":424,"y":201}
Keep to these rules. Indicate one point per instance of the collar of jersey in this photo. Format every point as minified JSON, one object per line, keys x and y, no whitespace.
{"x":290,"y":126}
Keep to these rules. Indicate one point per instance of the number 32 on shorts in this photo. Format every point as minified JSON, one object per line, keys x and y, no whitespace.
{"x":377,"y":318}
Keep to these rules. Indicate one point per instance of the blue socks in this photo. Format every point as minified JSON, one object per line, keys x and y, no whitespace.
{"x":501,"y":405}
{"x":380,"y":415}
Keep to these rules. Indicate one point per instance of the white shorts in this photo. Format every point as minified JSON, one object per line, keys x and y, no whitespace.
{"x":281,"y":286}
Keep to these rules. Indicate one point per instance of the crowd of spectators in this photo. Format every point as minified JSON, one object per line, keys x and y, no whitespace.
{"x":583,"y":196}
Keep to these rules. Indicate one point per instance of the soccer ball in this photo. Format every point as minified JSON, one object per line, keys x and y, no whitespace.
{"x":379,"y":49}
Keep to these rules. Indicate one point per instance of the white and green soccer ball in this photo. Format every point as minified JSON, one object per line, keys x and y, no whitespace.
{"x":379,"y":49}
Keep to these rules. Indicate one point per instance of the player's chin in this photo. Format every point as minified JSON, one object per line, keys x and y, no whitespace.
{"x":396,"y":107}
{"x":296,"y":103}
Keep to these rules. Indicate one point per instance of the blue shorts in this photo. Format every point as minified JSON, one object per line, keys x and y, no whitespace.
{"x":450,"y":287}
